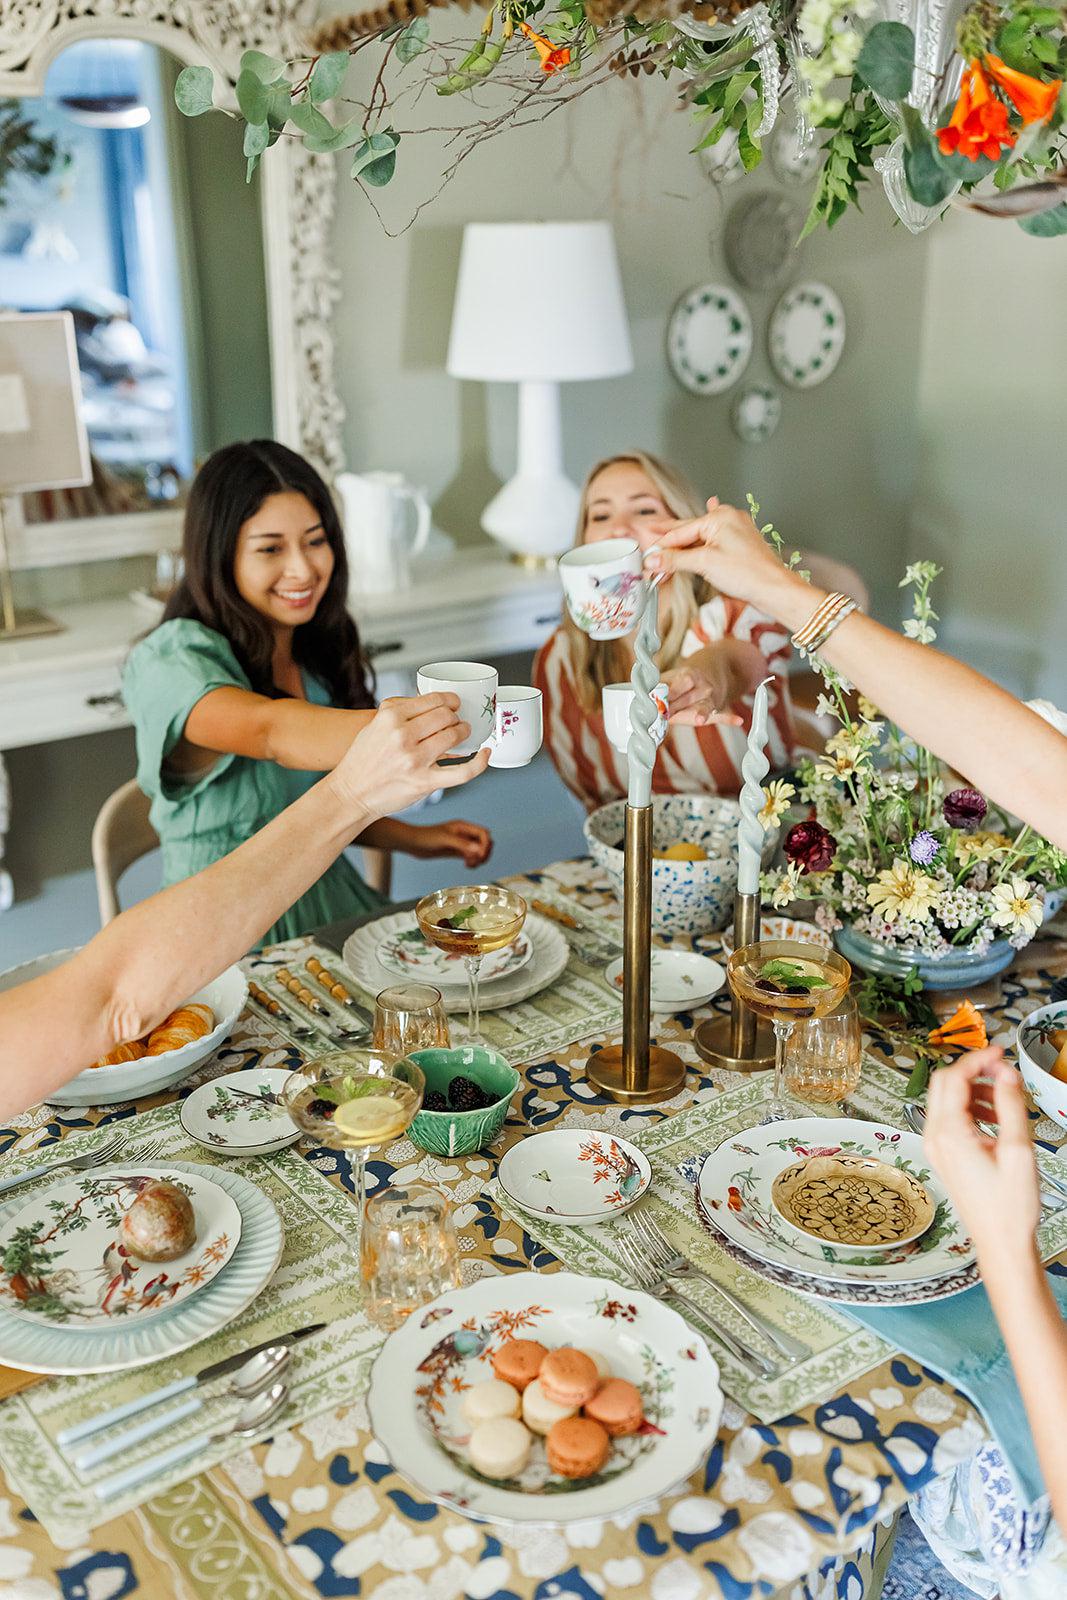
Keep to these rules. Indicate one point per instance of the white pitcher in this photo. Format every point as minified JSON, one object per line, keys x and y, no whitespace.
{"x":377,"y":516}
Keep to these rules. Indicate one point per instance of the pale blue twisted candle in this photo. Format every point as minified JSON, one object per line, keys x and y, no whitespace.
{"x":754,"y":768}
{"x":641,"y":748}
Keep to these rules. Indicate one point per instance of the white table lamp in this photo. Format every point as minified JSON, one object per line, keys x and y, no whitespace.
{"x":538,"y":304}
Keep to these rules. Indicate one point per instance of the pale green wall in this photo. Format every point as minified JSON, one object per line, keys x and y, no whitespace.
{"x":992,"y":481}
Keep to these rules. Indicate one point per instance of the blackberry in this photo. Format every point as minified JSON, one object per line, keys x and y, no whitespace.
{"x":465,"y":1095}
{"x":322,"y":1108}
{"x":435,"y":1101}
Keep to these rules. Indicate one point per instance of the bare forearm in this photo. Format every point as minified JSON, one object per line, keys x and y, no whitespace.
{"x":154,"y":956}
{"x":389,"y":833}
{"x":976,"y":727}
{"x":1036,"y":1340}
{"x":310,"y":738}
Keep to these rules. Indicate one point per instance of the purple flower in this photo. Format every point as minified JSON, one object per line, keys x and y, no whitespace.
{"x":923,"y":848}
{"x":964,"y":808}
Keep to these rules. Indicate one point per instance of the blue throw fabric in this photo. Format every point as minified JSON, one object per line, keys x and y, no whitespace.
{"x":959,"y":1339}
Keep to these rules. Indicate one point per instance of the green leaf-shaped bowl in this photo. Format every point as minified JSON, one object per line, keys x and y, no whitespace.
{"x":461,"y":1133}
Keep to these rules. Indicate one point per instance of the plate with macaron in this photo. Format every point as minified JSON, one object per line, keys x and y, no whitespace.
{"x":545,"y":1398}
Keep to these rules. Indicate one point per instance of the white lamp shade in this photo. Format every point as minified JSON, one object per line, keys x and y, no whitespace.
{"x":539,"y":302}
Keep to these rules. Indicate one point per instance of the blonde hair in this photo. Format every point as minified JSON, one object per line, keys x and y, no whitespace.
{"x":596,"y":663}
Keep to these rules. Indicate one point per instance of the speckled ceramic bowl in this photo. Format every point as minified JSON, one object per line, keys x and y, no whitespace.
{"x":687,"y":896}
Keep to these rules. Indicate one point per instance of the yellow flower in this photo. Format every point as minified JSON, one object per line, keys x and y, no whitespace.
{"x":776,"y":798}
{"x":982,"y":846}
{"x":868,"y":710}
{"x":845,"y":756}
{"x":903,"y":891}
{"x":1017,"y":907}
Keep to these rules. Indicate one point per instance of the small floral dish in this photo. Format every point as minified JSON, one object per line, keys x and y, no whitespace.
{"x":680,"y":980}
{"x":133,"y":1080}
{"x":62,"y":1260}
{"x":1038,"y":1044}
{"x":467,"y":1075}
{"x":687,"y":896}
{"x":425,"y":1368}
{"x":783,"y":928}
{"x":574,"y":1175}
{"x":857,"y":1204}
{"x":406,"y":953}
{"x":241,"y":1114}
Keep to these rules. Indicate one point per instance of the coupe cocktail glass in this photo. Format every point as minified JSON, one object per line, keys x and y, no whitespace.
{"x":787,"y":982}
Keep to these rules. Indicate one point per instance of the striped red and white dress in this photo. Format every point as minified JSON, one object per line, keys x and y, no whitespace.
{"x":690,"y":760}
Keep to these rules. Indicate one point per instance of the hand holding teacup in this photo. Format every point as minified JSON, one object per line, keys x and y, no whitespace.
{"x":506,"y":721}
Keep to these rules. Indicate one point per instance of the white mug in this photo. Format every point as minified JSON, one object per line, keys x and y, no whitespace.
{"x":616,"y":700}
{"x":517,"y":738}
{"x":476,"y":686}
{"x":603,"y":585}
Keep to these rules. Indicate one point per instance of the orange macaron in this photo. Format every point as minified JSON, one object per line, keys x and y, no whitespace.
{"x":617,"y":1407}
{"x":568,"y":1377}
{"x":577,"y":1447}
{"x":519,"y":1362}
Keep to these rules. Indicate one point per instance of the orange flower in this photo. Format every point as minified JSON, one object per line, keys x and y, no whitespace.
{"x":964,"y":1030}
{"x":1032,"y":99}
{"x":979,"y":122}
{"x":553,"y":56}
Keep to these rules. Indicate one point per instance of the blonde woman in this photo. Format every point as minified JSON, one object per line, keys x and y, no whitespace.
{"x":714,"y":652}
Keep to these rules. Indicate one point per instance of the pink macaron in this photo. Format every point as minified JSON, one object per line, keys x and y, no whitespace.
{"x":568,"y":1377}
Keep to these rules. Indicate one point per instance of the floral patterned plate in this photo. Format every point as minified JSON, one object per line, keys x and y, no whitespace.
{"x":574,"y":1175}
{"x":680,"y":980}
{"x":62,"y":1260}
{"x":406,"y":953}
{"x":240,"y":1114}
{"x":735,"y":1188}
{"x":418,"y":1381}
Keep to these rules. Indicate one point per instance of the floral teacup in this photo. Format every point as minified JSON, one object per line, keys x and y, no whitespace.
{"x":603,"y":586}
{"x":616,"y":699}
{"x":517,"y":738}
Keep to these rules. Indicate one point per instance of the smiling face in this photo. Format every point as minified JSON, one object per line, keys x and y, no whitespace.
{"x":283,"y":561}
{"x":621,"y":503}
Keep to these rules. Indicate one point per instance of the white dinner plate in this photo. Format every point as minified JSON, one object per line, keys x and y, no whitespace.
{"x":549,"y":958}
{"x":417,"y":1384}
{"x":33,"y":1348}
{"x":574,"y":1175}
{"x":407,"y":953}
{"x":241,"y":1113}
{"x":63,"y":1262}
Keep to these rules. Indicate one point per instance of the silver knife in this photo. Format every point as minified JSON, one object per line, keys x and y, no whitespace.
{"x":217,"y":1369}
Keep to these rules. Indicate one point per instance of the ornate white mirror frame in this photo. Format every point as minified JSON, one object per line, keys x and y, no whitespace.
{"x":297,"y":210}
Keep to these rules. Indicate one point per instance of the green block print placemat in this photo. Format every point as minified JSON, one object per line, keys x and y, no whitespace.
{"x":578,"y":1005}
{"x":316,"y":1281}
{"x":841,"y":1349}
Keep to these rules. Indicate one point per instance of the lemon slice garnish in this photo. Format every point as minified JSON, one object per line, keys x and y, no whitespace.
{"x":371,"y":1117}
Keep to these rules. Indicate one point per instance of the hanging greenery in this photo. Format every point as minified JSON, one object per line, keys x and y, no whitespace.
{"x":974,"y":116}
{"x":24,"y":151}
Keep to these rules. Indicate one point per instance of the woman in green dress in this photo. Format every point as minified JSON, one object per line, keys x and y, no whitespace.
{"x":254,"y":683}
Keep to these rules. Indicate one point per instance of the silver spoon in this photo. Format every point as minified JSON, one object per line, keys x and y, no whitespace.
{"x":257,"y":1414}
{"x":262,"y":1368}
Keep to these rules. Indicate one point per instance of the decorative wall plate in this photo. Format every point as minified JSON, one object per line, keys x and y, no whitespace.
{"x":64,"y":1263}
{"x":790,"y":162}
{"x":756,"y":412}
{"x":806,"y":334}
{"x":709,"y":338}
{"x":418,"y":1381}
{"x":761,"y":239}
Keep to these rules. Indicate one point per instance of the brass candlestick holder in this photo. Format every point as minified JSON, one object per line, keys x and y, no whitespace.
{"x":638,"y":1072}
{"x":741,"y":1042}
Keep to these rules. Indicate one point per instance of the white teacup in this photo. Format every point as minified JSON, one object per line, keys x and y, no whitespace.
{"x":616,"y":700}
{"x":518,"y":726}
{"x":603,"y":585}
{"x":476,"y":686}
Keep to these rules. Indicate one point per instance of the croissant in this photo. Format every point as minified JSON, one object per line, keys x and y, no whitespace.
{"x":181,"y":1027}
{"x":122,"y":1052}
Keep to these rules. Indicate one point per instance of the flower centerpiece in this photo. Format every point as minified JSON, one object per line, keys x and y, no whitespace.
{"x":907,"y":869}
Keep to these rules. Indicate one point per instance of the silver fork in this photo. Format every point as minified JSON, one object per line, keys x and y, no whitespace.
{"x":650,"y":1278}
{"x":674,"y":1265}
{"x":915,"y":1117}
{"x":102,"y":1153}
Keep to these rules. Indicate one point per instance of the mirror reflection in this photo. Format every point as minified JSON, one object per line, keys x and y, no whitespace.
{"x":115,"y":208}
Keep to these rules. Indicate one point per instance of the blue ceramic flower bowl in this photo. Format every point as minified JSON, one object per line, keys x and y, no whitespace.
{"x":960,"y":970}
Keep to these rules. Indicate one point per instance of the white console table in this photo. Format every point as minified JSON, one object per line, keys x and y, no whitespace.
{"x":473,"y":603}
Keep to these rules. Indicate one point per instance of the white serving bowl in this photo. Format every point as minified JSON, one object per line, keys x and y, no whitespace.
{"x":680,"y":980}
{"x":687,"y":896}
{"x":1037,"y":1055}
{"x":783,"y":928}
{"x":130,"y":1080}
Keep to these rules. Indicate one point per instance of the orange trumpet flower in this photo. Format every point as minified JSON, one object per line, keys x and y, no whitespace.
{"x":979,"y":122}
{"x":553,"y":56}
{"x":1033,"y":100}
{"x":964,"y":1030}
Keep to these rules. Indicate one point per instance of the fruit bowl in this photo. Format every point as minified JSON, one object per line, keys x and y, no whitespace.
{"x":1037,"y":1057}
{"x":456,"y":1132}
{"x":687,"y":896}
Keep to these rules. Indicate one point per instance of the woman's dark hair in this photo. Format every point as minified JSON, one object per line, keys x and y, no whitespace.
{"x":229,"y":488}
